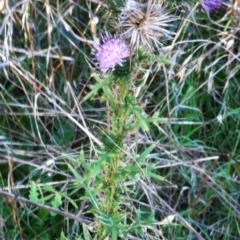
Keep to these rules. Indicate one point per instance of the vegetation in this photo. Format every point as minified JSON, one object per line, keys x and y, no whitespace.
{"x":142,"y":143}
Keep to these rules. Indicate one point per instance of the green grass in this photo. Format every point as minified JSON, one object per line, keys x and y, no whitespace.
{"x":81,"y":157}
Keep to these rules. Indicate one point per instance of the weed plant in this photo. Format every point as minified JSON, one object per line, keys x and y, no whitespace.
{"x":119,"y":119}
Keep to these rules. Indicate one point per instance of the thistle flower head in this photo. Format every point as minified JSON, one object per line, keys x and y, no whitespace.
{"x":111,"y":52}
{"x":211,"y":5}
{"x":145,"y":24}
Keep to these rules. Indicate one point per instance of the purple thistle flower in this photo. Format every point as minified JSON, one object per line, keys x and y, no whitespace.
{"x":211,"y":5}
{"x":111,"y":52}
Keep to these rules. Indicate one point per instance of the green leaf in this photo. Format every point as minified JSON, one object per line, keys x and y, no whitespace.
{"x":114,"y":234}
{"x":62,"y":236}
{"x":76,"y":174}
{"x":51,"y":189}
{"x":142,"y":120}
{"x":97,"y":87}
{"x":81,"y":157}
{"x":87,"y":235}
{"x":231,"y":112}
{"x":56,"y":202}
{"x":48,"y":188}
{"x":156,"y":176}
{"x":33,"y":195}
{"x":144,"y":155}
{"x":164,"y":60}
{"x":81,"y":182}
{"x":155,"y":119}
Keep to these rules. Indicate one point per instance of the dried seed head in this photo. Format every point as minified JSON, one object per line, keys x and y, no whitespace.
{"x":145,"y":24}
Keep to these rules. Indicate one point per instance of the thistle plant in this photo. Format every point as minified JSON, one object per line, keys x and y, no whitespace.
{"x":125,"y":116}
{"x":112,"y":55}
{"x":143,"y":25}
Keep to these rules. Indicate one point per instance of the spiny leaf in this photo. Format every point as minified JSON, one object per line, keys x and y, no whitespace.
{"x":33,"y":195}
{"x":56,"y":203}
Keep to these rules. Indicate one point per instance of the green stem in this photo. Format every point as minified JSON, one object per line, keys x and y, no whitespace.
{"x":112,"y":184}
{"x":118,"y":122}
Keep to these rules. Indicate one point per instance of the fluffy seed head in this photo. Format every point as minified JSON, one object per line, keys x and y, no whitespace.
{"x":145,"y":24}
{"x":111,"y":52}
{"x":211,"y":5}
